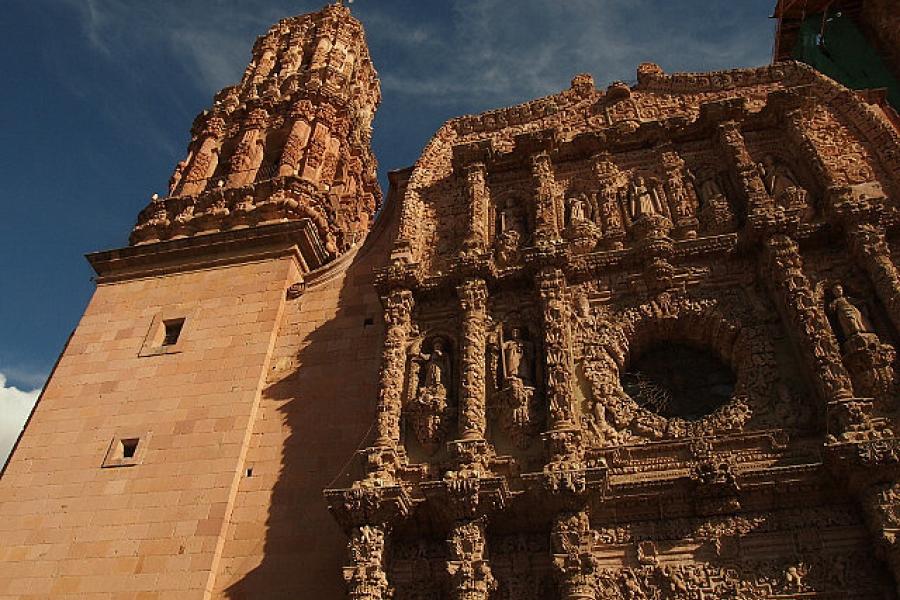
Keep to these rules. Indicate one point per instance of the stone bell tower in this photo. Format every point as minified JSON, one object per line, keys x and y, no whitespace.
{"x":290,"y":141}
{"x":127,"y":479}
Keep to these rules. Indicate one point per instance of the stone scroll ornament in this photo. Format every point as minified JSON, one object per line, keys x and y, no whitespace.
{"x":429,"y":406}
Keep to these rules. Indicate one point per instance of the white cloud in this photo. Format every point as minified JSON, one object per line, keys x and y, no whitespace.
{"x":15,"y":406}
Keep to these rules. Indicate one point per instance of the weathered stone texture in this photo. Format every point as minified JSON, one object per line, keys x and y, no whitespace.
{"x":634,"y":343}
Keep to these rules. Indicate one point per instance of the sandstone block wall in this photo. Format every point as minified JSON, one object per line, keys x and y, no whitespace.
{"x":70,"y":528}
{"x":317,"y":408}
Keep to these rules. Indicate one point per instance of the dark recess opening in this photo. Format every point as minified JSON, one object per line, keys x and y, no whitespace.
{"x":678,"y":380}
{"x":129,"y":447}
{"x":173,"y":331}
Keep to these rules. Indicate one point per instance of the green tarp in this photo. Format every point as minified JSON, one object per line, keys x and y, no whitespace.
{"x":846,"y":55}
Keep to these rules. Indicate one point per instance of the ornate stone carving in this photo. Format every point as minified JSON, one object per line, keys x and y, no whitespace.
{"x":472,"y":300}
{"x":470,"y":572}
{"x":397,"y":318}
{"x":365,"y":577}
{"x":430,"y":407}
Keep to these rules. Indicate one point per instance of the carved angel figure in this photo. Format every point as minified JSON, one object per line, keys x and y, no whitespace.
{"x":515,"y":384}
{"x":510,"y":234}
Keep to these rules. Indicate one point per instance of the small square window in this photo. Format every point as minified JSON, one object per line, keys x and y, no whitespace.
{"x":172,"y":332}
{"x":126,"y":451}
{"x":167,"y":332}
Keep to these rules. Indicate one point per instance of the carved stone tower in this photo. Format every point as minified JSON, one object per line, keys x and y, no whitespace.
{"x":291,"y":141}
{"x":152,"y":442}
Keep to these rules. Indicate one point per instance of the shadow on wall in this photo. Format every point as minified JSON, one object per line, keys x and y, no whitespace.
{"x":328,"y":404}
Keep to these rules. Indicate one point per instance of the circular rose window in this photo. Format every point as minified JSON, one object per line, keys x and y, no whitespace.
{"x":678,"y":381}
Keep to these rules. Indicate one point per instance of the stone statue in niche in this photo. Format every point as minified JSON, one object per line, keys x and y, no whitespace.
{"x":782,"y":184}
{"x":643,"y":200}
{"x":516,"y":384}
{"x":580,"y":227}
{"x":869,"y":361}
{"x":510,"y":234}
{"x":578,"y":209}
{"x":715,"y":212}
{"x":683,"y":206}
{"x":429,"y":407}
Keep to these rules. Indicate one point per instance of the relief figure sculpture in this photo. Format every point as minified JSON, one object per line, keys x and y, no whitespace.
{"x":715,"y":212}
{"x":782,"y":184}
{"x":869,"y":361}
{"x":516,"y":384}
{"x":429,"y":407}
{"x":510,"y":234}
{"x":643,"y":200}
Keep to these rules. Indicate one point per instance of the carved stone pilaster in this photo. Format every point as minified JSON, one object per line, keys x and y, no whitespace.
{"x":205,"y":158}
{"x":249,"y":152}
{"x":546,"y":221}
{"x":869,"y":248}
{"x":794,"y":297}
{"x":761,"y":207}
{"x":574,"y":563}
{"x":468,"y":567}
{"x":397,"y":317}
{"x":472,"y":295}
{"x":683,"y":204}
{"x":475,"y":241}
{"x":297,"y":139}
{"x":551,"y":285}
{"x":365,"y":575}
{"x":881,"y":506}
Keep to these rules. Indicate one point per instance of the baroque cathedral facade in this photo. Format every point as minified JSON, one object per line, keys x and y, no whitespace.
{"x":632,"y":343}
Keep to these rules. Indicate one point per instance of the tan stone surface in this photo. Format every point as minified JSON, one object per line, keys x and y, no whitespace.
{"x":628,"y":343}
{"x":68,"y":526}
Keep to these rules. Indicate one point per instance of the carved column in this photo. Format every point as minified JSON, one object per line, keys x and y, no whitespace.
{"x":682,"y":203}
{"x":476,"y":203}
{"x":397,"y":317}
{"x":807,"y":320}
{"x":731,"y":141}
{"x":563,"y":436}
{"x":870,"y":249}
{"x":205,"y":158}
{"x":469,"y":570}
{"x":552,"y":289}
{"x":472,"y":295}
{"x":881,"y":506}
{"x":546,"y":221}
{"x":572,"y":556}
{"x":297,"y":139}
{"x":319,"y":142}
{"x":365,"y":576}
{"x":249,"y":152}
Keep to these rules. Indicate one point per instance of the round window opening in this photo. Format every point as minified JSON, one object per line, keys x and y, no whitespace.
{"x":677,"y":380}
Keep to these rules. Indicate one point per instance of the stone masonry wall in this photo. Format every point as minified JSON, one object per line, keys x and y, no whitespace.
{"x":70,"y":528}
{"x":317,"y":408}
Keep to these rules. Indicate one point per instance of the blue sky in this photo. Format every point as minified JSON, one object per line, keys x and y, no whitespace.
{"x":99,"y":97}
